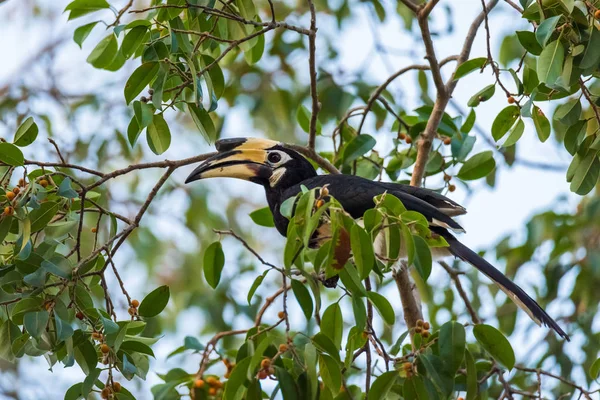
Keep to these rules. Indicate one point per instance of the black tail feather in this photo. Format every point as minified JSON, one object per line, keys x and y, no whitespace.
{"x":518,"y":295}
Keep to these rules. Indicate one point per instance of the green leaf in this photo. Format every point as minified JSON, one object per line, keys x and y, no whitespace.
{"x":214,"y":260}
{"x":382,"y":385}
{"x":104,"y":52}
{"x":472,"y":381}
{"x":414,"y":389}
{"x":529,"y":42}
{"x":133,"y":40}
{"x":26,"y":133}
{"x":357,"y":147}
{"x":469,"y":66}
{"x":235,"y":384}
{"x":140,"y":78}
{"x":469,"y":123}
{"x":303,"y":116}
{"x":568,"y":113}
{"x":263,"y":217}
{"x":154,"y":302}
{"x":143,"y":114}
{"x":83,"y":32}
{"x":542,"y":125}
{"x":362,"y":248}
{"x":59,"y":266}
{"x":158,"y":134}
{"x":9,"y":332}
{"x":332,"y":324}
{"x":65,"y":189}
{"x":504,"y":121}
{"x":330,"y":373}
{"x":255,"y":285}
{"x":452,"y":344}
{"x":442,"y":380}
{"x":383,"y":306}
{"x":591,"y":56}
{"x":423,"y":260}
{"x":64,"y":330}
{"x":483,"y":95}
{"x":203,"y":122}
{"x":79,"y":8}
{"x":35,"y":323}
{"x":546,"y":29}
{"x":586,"y":172}
{"x":74,"y":392}
{"x":550,"y":62}
{"x":496,"y":344}
{"x":515,"y":134}
{"x":11,"y":155}
{"x":594,"y":370}
{"x":43,"y":215}
{"x":478,"y":166}
{"x":304,"y":299}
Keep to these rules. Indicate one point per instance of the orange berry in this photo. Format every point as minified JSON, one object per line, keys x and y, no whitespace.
{"x":426,"y":334}
{"x":451,"y":188}
{"x":10,"y":195}
{"x":44,"y":183}
{"x":426,"y":325}
{"x":104,"y":348}
{"x":79,"y":315}
{"x":447,"y":177}
{"x":283,"y":348}
{"x":16,"y":190}
{"x":97,"y":335}
{"x":211,"y":380}
{"x":132,"y":311}
{"x":212,"y":391}
{"x":461,"y":398}
{"x":418,"y":329}
{"x":105,"y":393}
{"x":266,"y":363}
{"x":511,"y":100}
{"x":597,"y":14}
{"x":402,"y":136}
{"x":94,"y":230}
{"x":419,"y":322}
{"x":408,"y":140}
{"x":262,"y":374}
{"x":319,"y":203}
{"x":21,"y":182}
{"x":447,"y":141}
{"x":117,"y":387}
{"x":135,"y":303}
{"x":407,"y":366}
{"x":9,"y":210}
{"x":281,"y":314}
{"x":198,"y":383}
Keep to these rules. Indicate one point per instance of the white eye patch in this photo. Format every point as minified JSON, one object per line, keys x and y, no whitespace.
{"x":275,"y":158}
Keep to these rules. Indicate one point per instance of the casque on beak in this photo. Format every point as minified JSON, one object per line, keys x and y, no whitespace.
{"x":242,"y":158}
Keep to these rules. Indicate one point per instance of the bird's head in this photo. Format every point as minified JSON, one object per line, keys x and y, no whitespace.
{"x":261,"y":161}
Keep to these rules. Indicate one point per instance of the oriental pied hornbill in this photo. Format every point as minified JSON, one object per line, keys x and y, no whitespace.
{"x":282,"y":171}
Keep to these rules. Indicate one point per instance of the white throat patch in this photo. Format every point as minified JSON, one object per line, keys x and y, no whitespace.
{"x":276,"y":176}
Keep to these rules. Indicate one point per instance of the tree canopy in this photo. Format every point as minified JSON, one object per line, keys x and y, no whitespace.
{"x":112,"y":267}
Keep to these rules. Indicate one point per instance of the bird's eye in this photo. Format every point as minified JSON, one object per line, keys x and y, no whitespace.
{"x":274,"y":158}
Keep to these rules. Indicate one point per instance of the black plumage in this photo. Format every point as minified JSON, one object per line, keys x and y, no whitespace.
{"x":283,"y":172}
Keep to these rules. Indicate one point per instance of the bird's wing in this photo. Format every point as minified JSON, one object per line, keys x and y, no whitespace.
{"x":441,"y":202}
{"x":356,"y":196}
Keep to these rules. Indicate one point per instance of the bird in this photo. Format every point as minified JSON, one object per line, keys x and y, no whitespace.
{"x":283,"y":172}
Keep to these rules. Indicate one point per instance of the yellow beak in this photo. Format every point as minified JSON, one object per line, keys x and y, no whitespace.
{"x":243,"y":158}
